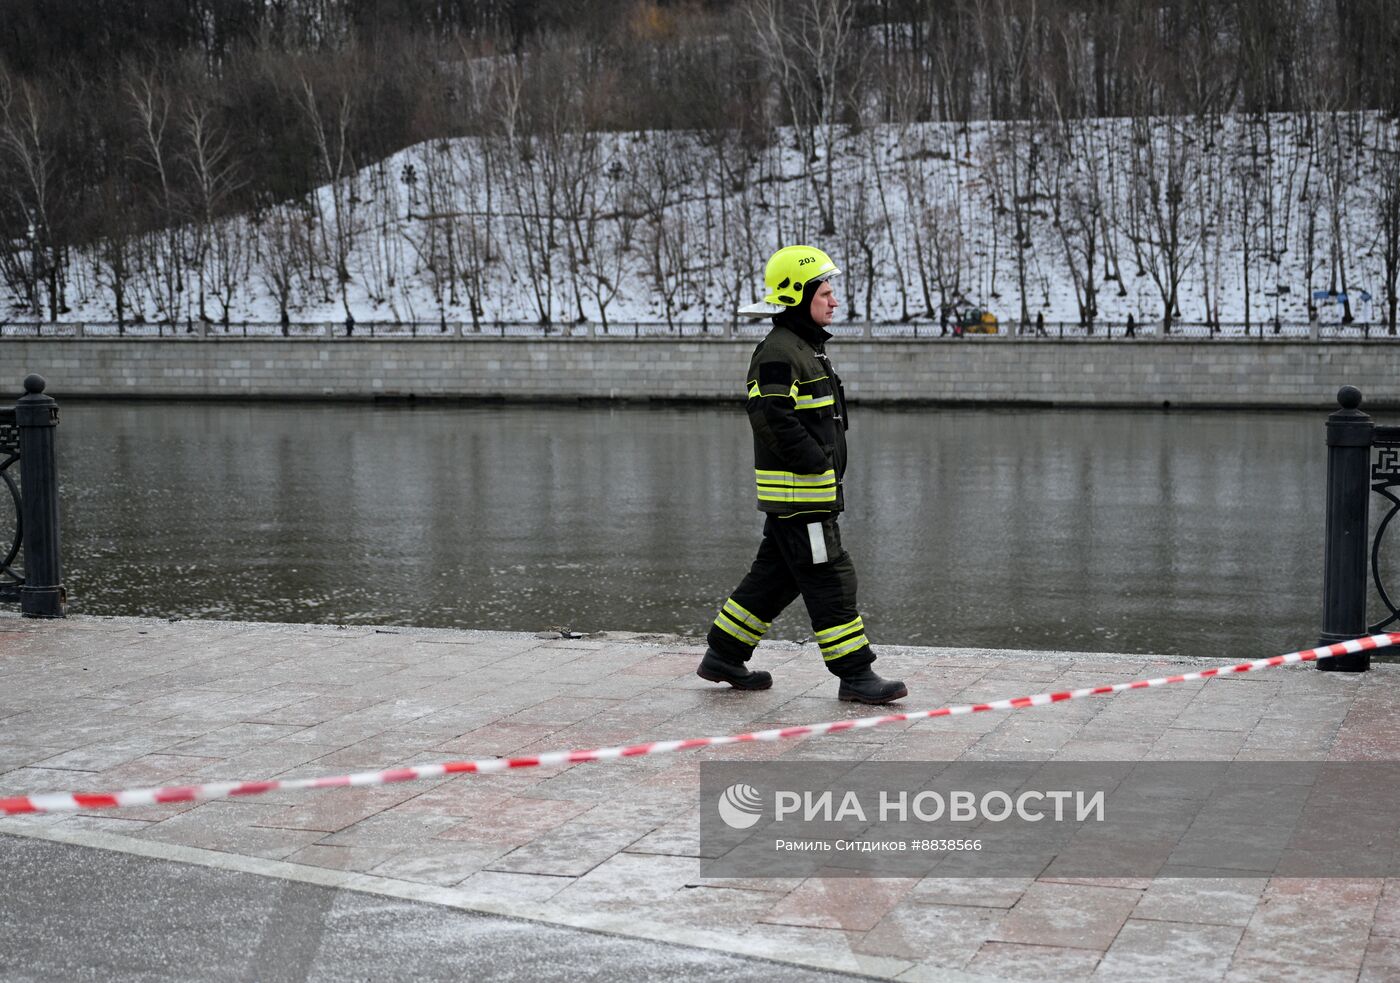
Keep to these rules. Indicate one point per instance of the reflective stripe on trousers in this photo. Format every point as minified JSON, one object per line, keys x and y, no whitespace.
{"x":787,"y":566}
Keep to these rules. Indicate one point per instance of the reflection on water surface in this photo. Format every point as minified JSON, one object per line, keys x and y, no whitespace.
{"x":1194,"y":533}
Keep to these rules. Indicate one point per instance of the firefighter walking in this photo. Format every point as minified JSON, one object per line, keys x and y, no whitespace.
{"x":797,"y":410}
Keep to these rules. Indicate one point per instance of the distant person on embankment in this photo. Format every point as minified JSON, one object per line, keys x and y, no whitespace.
{"x":797,"y":410}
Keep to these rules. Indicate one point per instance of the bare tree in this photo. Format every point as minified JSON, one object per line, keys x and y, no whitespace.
{"x":812,"y":47}
{"x":1110,"y":140}
{"x":282,"y":248}
{"x":1338,"y":158}
{"x":948,"y":250}
{"x":1073,"y":215}
{"x":1310,"y":198}
{"x":388,"y":251}
{"x":1387,"y":212}
{"x":112,"y":246}
{"x":227,"y":262}
{"x":392,"y":202}
{"x":529,"y":182}
{"x":882,"y":225}
{"x":1213,"y":214}
{"x":432,"y":233}
{"x":664,"y":168}
{"x":915,"y":147}
{"x":745,"y":233}
{"x":35,"y":259}
{"x":724,"y":186}
{"x":472,"y":231}
{"x":605,"y":262}
{"x":1282,"y":161}
{"x":1246,"y":207}
{"x":208,"y":156}
{"x":165,"y":246}
{"x":1164,"y":182}
{"x":1078,"y":177}
{"x":861,"y":235}
{"x":1015,"y":153}
{"x":578,"y":158}
{"x":329,"y":115}
{"x":1077,"y":184}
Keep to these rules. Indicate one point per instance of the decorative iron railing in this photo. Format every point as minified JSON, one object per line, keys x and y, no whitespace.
{"x":10,"y":507}
{"x":1362,"y":459}
{"x":27,"y":439}
{"x":1385,"y":478}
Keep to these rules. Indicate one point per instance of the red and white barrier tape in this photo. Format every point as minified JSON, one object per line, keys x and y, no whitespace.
{"x":66,"y":802}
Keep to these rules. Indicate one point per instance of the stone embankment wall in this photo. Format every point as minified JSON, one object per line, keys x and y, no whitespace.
{"x":1143,"y":373}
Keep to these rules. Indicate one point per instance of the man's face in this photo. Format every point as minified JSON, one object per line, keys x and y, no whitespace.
{"x":824,"y":304}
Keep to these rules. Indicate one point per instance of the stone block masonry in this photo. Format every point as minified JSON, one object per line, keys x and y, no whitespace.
{"x":1007,"y":372}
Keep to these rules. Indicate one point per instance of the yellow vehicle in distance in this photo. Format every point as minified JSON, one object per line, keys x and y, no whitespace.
{"x":974,"y":320}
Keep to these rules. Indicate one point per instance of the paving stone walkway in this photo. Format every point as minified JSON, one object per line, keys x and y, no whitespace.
{"x":97,"y":704}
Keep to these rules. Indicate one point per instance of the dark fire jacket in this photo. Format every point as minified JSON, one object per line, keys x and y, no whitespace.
{"x":798,"y":413}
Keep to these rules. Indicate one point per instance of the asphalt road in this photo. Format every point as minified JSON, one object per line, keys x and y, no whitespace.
{"x":77,"y":913}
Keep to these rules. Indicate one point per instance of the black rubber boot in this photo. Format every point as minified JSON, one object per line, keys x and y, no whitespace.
{"x":736,"y":674}
{"x":866,"y":687}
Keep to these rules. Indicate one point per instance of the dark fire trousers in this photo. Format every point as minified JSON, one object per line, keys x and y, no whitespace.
{"x":795,"y":558}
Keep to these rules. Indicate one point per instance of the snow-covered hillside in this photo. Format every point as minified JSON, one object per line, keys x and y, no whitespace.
{"x":1250,"y":217}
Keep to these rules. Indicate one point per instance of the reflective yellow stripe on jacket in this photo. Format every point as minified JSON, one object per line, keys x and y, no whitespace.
{"x":801,"y":400}
{"x":813,"y":399}
{"x":787,"y":486}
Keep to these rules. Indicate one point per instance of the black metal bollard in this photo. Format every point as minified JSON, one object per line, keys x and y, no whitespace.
{"x":1344,"y":580}
{"x":36,"y":416}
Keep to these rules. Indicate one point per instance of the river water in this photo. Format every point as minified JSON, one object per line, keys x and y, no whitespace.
{"x":1189,"y":533}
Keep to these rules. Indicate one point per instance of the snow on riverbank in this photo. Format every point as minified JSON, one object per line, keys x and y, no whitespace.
{"x":1251,"y":217}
